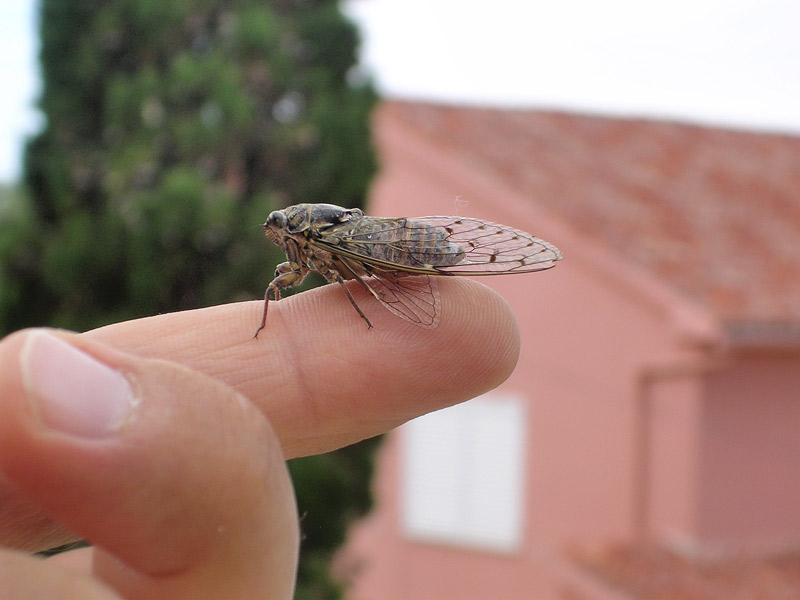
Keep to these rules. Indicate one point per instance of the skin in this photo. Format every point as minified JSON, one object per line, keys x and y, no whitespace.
{"x":191,"y":498}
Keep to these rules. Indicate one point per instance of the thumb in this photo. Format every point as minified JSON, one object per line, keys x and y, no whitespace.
{"x":176,"y":478}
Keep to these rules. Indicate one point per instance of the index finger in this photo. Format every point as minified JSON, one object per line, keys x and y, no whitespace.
{"x":322,"y":378}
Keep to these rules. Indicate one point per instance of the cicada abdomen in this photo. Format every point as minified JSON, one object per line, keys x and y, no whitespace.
{"x":403,"y":243}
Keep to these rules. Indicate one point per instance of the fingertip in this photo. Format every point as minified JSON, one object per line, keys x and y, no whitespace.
{"x":351,"y":382}
{"x":484,"y":329}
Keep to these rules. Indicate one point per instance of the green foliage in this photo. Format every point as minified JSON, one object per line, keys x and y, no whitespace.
{"x":17,"y":252}
{"x":172,"y":129}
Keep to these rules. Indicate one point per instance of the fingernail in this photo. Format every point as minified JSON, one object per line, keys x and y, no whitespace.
{"x":72,"y":392}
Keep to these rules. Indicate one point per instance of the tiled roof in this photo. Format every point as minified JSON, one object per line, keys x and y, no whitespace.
{"x":713,"y":212}
{"x":650,"y":573}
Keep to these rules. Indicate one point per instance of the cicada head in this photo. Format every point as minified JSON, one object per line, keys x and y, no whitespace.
{"x":275,"y":226}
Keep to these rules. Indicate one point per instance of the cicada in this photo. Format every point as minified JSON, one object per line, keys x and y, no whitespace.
{"x":395,"y":259}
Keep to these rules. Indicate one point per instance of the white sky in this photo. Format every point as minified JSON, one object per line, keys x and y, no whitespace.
{"x":726,"y":62}
{"x":19,"y":77}
{"x":723,"y":61}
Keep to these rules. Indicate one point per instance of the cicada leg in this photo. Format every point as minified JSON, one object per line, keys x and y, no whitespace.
{"x":287,"y":275}
{"x":332,"y":275}
{"x":338,"y":279}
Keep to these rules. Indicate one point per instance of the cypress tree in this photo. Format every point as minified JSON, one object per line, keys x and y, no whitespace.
{"x":172,"y":128}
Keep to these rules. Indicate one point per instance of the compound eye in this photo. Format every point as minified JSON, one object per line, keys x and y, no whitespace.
{"x":276,"y":220}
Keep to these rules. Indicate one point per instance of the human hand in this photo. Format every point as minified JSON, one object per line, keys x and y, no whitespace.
{"x":186,"y":494}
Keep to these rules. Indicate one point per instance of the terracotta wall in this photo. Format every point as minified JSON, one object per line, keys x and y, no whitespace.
{"x":588,"y":329}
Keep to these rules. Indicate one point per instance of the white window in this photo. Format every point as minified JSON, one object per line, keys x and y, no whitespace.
{"x":463,"y":474}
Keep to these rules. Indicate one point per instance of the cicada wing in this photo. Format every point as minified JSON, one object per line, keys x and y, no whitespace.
{"x":413,"y":298}
{"x":491,"y":248}
{"x":444,"y":245}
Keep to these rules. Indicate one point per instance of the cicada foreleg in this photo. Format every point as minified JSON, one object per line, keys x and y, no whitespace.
{"x":287,"y":274}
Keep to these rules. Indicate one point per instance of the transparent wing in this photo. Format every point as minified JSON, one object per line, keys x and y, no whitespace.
{"x":491,"y":248}
{"x":443,"y":245}
{"x":413,"y":298}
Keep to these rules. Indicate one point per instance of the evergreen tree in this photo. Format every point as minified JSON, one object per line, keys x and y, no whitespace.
{"x":172,"y":128}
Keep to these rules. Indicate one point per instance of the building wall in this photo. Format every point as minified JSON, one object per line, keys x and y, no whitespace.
{"x":588,"y":330}
{"x":750,"y":455}
{"x":723,"y":471}
{"x":671,"y":395}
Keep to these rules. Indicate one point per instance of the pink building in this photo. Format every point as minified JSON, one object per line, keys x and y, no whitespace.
{"x":656,"y":403}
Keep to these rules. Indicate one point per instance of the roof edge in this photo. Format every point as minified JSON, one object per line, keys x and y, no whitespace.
{"x":776,"y":336}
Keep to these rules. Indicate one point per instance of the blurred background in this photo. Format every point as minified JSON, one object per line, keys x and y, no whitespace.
{"x":647,"y":446}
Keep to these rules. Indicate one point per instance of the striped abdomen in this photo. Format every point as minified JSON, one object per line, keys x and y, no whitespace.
{"x":409,"y":243}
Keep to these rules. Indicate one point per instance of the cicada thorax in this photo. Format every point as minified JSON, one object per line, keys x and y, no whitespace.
{"x":410,"y":243}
